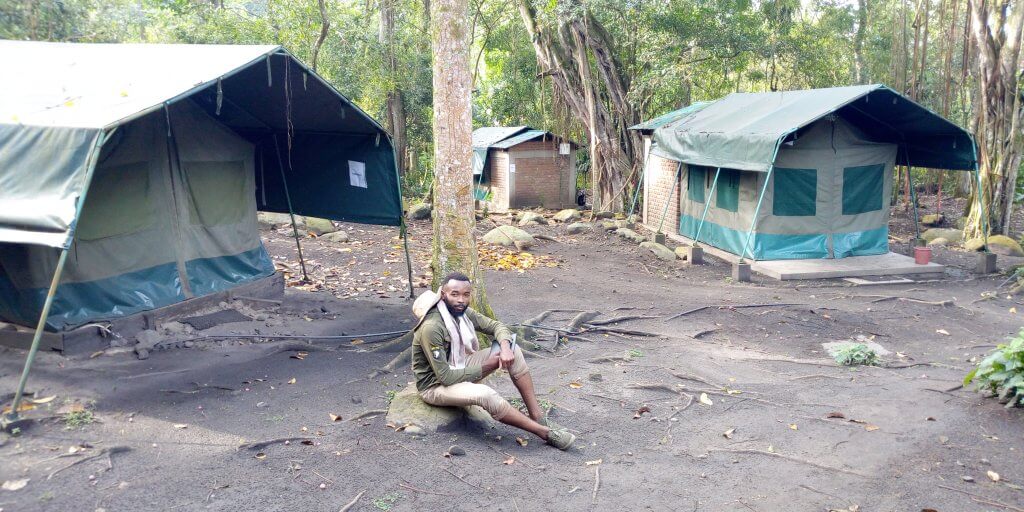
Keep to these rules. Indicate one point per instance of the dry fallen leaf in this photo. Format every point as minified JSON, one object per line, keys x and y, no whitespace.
{"x":792,"y":426}
{"x":44,"y":400}
{"x":771,"y":449}
{"x":334,"y":417}
{"x":871,"y":428}
{"x":992,"y":475}
{"x":521,"y":441}
{"x":358,"y":341}
{"x":640,"y":412}
{"x":728,"y":433}
{"x":705,"y":400}
{"x":292,"y":381}
{"x":575,"y":384}
{"x":300,"y":355}
{"x":14,"y":485}
{"x":181,"y":425}
{"x":261,"y":455}
{"x":593,"y":462}
{"x":942,"y":332}
{"x":509,"y":460}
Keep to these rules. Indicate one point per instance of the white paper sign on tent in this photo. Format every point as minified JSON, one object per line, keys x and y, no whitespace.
{"x":357,"y":173}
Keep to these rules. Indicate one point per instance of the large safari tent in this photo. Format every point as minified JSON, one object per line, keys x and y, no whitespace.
{"x":796,"y":175}
{"x":130,"y":175}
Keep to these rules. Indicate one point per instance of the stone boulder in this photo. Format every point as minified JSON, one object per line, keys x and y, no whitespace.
{"x":532,"y":219}
{"x":604,"y":215}
{"x":407,"y":409}
{"x":630,"y":235}
{"x":953,"y":235}
{"x":938,"y":242}
{"x":337,"y":237}
{"x":934,"y":219}
{"x":682,"y":252}
{"x":609,"y":225}
{"x":577,"y":228}
{"x":319,"y":226}
{"x":419,"y":211}
{"x":271,"y":220}
{"x":662,"y":252}
{"x":999,"y":244}
{"x":508,"y":236}
{"x":567,"y":215}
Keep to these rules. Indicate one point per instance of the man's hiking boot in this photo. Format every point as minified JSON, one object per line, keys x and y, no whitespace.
{"x":561,"y":438}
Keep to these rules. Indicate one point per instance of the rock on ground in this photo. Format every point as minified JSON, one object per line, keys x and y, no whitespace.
{"x":631,"y":235}
{"x":938,"y":242}
{"x":682,"y":253}
{"x":933,"y":219}
{"x":567,"y":215}
{"x":532,"y":219}
{"x":419,"y":211}
{"x":408,"y":409}
{"x":271,"y":220}
{"x":577,"y":228}
{"x":337,"y":236}
{"x":953,"y":235}
{"x":319,"y":226}
{"x":999,"y":244}
{"x":609,"y":225}
{"x":604,"y":215}
{"x":662,"y":252}
{"x":508,"y":236}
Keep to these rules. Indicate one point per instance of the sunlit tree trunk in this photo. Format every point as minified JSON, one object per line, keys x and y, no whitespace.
{"x":996,"y":34}
{"x":454,"y":218}
{"x":395,"y":104}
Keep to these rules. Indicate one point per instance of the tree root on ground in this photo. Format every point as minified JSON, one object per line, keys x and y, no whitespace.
{"x":259,"y":445}
{"x":789,"y":458}
{"x":404,"y":357}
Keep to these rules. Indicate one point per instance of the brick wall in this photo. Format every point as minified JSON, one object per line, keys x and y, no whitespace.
{"x":497,"y":162}
{"x":542,"y":177}
{"x":657,"y":190}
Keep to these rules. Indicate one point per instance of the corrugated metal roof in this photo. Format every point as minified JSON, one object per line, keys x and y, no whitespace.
{"x":487,"y":136}
{"x":522,"y":137}
{"x":675,"y":115}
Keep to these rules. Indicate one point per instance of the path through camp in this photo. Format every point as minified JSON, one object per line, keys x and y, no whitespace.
{"x":720,"y":408}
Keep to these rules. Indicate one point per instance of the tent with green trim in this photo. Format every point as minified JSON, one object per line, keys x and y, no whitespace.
{"x":800,"y":174}
{"x":143,"y":166}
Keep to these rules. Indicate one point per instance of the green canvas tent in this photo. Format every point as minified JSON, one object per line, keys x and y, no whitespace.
{"x":134,"y":172}
{"x":800,"y":174}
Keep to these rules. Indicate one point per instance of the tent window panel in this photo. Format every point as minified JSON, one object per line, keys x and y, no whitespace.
{"x":727,"y":193}
{"x":862,"y":188}
{"x":696,"y":178}
{"x":218,"y":192}
{"x":795,"y":193}
{"x":117,"y":203}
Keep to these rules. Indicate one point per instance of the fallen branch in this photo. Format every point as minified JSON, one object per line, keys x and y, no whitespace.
{"x":460,"y":478}
{"x":352,"y":503}
{"x":597,"y":483}
{"x":366,"y":414}
{"x":626,"y":332}
{"x":789,"y":458}
{"x":104,"y":452}
{"x":819,"y":376}
{"x":622,"y":319}
{"x":883,"y":298}
{"x":986,"y":501}
{"x":937,"y":365}
{"x":258,"y":445}
{"x":729,"y":306}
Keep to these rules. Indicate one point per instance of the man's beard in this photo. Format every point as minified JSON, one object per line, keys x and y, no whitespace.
{"x":455,"y":310}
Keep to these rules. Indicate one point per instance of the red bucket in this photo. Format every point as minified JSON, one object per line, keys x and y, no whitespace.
{"x":922,"y":255}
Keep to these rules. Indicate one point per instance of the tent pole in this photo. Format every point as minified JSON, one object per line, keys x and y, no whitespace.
{"x":408,"y":261}
{"x":55,"y":282}
{"x":913,"y":193}
{"x":981,"y":202}
{"x":675,"y":185}
{"x":760,"y":199}
{"x":639,"y":182}
{"x":707,"y":204}
{"x":291,"y":212}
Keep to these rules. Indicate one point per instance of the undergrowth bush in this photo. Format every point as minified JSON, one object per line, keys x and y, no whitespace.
{"x":855,"y":355}
{"x":1002,"y":372}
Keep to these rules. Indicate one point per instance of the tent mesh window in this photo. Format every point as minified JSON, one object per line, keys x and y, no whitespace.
{"x":696,"y":177}
{"x":795,"y":193}
{"x":727,"y":195}
{"x":119,"y":202}
{"x":862,"y":188}
{"x":218,"y":192}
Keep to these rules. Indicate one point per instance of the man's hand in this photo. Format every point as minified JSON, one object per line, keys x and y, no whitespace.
{"x":492,"y":363}
{"x":505,"y":355}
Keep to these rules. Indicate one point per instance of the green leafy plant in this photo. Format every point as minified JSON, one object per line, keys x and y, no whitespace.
{"x":855,"y":355}
{"x":390,"y":395}
{"x":78,"y":419}
{"x":385,"y":502}
{"x":1002,"y":372}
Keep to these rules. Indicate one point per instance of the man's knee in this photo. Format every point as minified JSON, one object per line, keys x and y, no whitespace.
{"x":492,"y":402}
{"x":519,"y":367}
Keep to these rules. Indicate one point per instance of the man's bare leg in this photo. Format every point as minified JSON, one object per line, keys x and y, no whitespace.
{"x":524,"y":383}
{"x":520,"y":420}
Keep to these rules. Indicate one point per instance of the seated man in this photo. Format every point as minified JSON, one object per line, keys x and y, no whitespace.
{"x":448,"y":364}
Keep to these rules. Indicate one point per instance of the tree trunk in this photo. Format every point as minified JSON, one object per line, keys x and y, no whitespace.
{"x":858,"y":42}
{"x":996,"y":33}
{"x":454,"y":245}
{"x":395,"y":106}
{"x":325,"y":27}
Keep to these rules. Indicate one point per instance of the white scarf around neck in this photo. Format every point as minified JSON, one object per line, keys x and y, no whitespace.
{"x":459,"y":329}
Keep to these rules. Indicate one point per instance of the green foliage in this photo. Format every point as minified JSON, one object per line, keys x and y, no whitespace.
{"x":390,"y":395}
{"x":387,"y":501}
{"x":855,"y":355}
{"x":1002,"y":372}
{"x":78,"y":419}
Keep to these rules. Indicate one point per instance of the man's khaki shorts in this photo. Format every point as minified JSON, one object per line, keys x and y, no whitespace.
{"x":472,"y":393}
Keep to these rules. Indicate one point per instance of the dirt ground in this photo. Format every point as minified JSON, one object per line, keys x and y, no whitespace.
{"x":782,"y":427}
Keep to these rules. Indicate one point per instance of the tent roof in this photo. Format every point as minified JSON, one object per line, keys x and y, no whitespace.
{"x":671,"y":117}
{"x":742,"y":130}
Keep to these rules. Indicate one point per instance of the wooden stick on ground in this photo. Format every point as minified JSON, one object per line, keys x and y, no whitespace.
{"x":352,"y":503}
{"x":104,"y":452}
{"x":789,"y":458}
{"x":597,"y":484}
{"x":263,"y":444}
{"x":371,"y":412}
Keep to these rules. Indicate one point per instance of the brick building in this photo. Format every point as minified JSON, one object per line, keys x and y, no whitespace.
{"x":519,"y":167}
